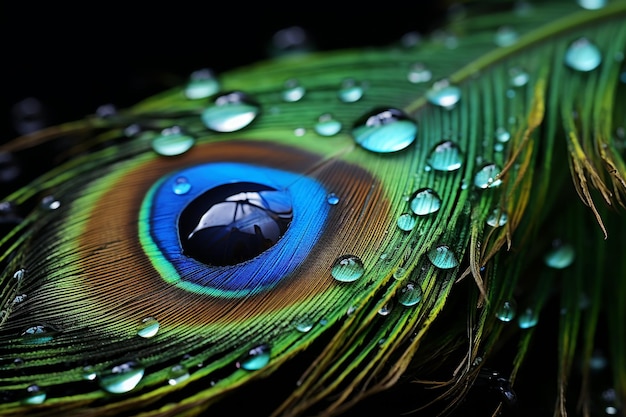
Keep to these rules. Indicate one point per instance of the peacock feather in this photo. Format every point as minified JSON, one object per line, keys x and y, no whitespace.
{"x":321,"y":230}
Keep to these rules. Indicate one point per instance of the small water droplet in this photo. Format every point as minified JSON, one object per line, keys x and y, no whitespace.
{"x":350,"y":91}
{"x":177,"y":374}
{"x":419,"y":73}
{"x":560,"y":256}
{"x":34,"y":395}
{"x":19,"y":274}
{"x":406,"y":222}
{"x":181,"y":186}
{"x":527,"y":319}
{"x":488,"y":176}
{"x":347,"y":268}
{"x":148,"y":328}
{"x":502,"y":135}
{"x":385,"y":130}
{"x":18,"y":362}
{"x":202,"y":84}
{"x":443,"y":94}
{"x":332,"y":199}
{"x":443,"y":257}
{"x":425,"y":201}
{"x":256,"y":358}
{"x":36,"y":335}
{"x":592,"y":4}
{"x":106,"y":110}
{"x":230,"y":112}
{"x":506,"y":311}
{"x":506,"y":36}
{"x":89,"y":373}
{"x":598,"y":361}
{"x":121,"y":378}
{"x":410,"y":294}
{"x":299,"y":132}
{"x":583,"y":55}
{"x":518,"y":77}
{"x":327,"y":126}
{"x":50,"y":203}
{"x":304,"y":326}
{"x":172,"y":141}
{"x":445,"y":156}
{"x":497,"y":218}
{"x":293,"y":91}
{"x":399,"y":273}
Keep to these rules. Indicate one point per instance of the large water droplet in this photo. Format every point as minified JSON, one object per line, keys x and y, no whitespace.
{"x":592,"y":4}
{"x":410,"y":294}
{"x":350,"y":91}
{"x":293,"y":91}
{"x":560,"y":256}
{"x":488,"y":176}
{"x":347,"y":268}
{"x":518,"y":77}
{"x":506,"y":36}
{"x":234,"y":222}
{"x":327,"y":126}
{"x":172,"y":141}
{"x":202,"y":84}
{"x":527,"y":319}
{"x":406,"y":222}
{"x":256,"y":358}
{"x":148,"y":328}
{"x":34,"y":395}
{"x":121,"y":378}
{"x":506,"y":311}
{"x":443,"y":257}
{"x":443,"y":94}
{"x":36,"y":335}
{"x":582,"y":55}
{"x":230,"y":112}
{"x":177,"y":374}
{"x":419,"y":73}
{"x":425,"y":201}
{"x":445,"y":156}
{"x":497,"y":218}
{"x":385,"y":130}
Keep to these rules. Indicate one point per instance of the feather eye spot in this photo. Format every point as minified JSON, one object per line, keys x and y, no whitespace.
{"x":385,"y":130}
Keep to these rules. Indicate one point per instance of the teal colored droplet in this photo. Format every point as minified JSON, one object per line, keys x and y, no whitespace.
{"x":443,"y":257}
{"x":488,"y":176}
{"x":527,"y":319}
{"x":592,"y":4}
{"x":497,"y":218}
{"x":385,"y":130}
{"x":582,"y":55}
{"x":256,"y":358}
{"x":350,"y":91}
{"x":202,"y":84}
{"x":148,"y":328}
{"x":406,"y":222}
{"x":347,"y":268}
{"x":34,"y":395}
{"x":332,"y":199}
{"x":506,"y":311}
{"x":445,"y":156}
{"x":327,"y":126}
{"x":293,"y":91}
{"x":36,"y":335}
{"x":89,"y":373}
{"x":304,"y":326}
{"x":410,"y":294}
{"x":386,"y":309}
{"x":560,"y":256}
{"x":425,"y":201}
{"x":399,"y":273}
{"x":177,"y":374}
{"x":518,"y":77}
{"x":172,"y":141}
{"x":121,"y":378}
{"x":502,"y":135}
{"x":230,"y":112}
{"x":419,"y":73}
{"x":506,"y":36}
{"x":444,"y":94}
{"x":181,"y":186}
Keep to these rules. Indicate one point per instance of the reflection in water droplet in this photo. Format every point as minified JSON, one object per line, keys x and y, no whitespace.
{"x":418,"y":73}
{"x":445,"y":156}
{"x":497,"y":218}
{"x":506,"y":36}
{"x":406,"y":222}
{"x":34,"y":395}
{"x":347,"y":268}
{"x":350,"y":91}
{"x":560,"y":256}
{"x":50,"y":203}
{"x":256,"y":358}
{"x":202,"y":84}
{"x":502,"y":135}
{"x":327,"y":126}
{"x":425,"y":201}
{"x":487,"y":176}
{"x":234,"y":222}
{"x":506,"y":311}
{"x":385,"y":130}
{"x":177,"y":374}
{"x":37,"y":335}
{"x":121,"y":378}
{"x":410,"y":294}
{"x":293,"y":91}
{"x":582,"y":55}
{"x":332,"y":199}
{"x":527,"y":319}
{"x":592,"y":4}
{"x":443,"y":257}
{"x":148,"y":328}
{"x":518,"y":77}
{"x":386,"y":309}
{"x":181,"y":186}
{"x":443,"y":94}
{"x":230,"y":112}
{"x":172,"y":142}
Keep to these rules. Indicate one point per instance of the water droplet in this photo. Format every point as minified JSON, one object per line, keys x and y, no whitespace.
{"x":443,"y":257}
{"x":50,"y":203}
{"x":445,"y":156}
{"x":598,"y":361}
{"x":347,"y":268}
{"x":332,"y":199}
{"x":89,"y":373}
{"x":177,"y":374}
{"x":293,"y":91}
{"x":36,"y":335}
{"x":350,"y":91}
{"x":385,"y":130}
{"x":406,"y":222}
{"x":230,"y":112}
{"x":19,"y":298}
{"x":399,"y":273}
{"x":121,"y":378}
{"x":497,"y":218}
{"x":19,"y":274}
{"x":527,"y":319}
{"x":506,"y":36}
{"x":410,"y":294}
{"x":502,"y":135}
{"x":418,"y":73}
{"x":592,"y":4}
{"x":202,"y":84}
{"x":386,"y":309}
{"x":425,"y":201}
{"x":560,"y":256}
{"x":487,"y":176}
{"x":172,"y":141}
{"x":304,"y":326}
{"x":327,"y":126}
{"x":181,"y":186}
{"x":582,"y":55}
{"x":106,"y":110}
{"x":518,"y":77}
{"x":256,"y":358}
{"x":300,"y":131}
{"x":234,"y":222}
{"x":443,"y":94}
{"x":148,"y":328}
{"x":291,"y":41}
{"x":506,"y":311}
{"x":17,"y":362}
{"x":34,"y":395}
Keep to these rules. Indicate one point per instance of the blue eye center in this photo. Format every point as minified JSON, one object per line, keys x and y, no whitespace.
{"x":234,"y":222}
